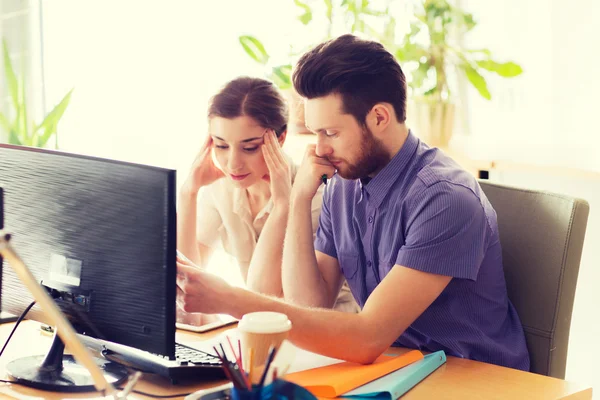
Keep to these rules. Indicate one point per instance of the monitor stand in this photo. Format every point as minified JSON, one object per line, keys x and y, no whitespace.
{"x":59,"y":372}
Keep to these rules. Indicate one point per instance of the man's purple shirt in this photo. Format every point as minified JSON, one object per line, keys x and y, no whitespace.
{"x":424,"y":212}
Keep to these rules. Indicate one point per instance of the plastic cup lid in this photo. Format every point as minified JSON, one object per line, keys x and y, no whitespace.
{"x":265,"y":322}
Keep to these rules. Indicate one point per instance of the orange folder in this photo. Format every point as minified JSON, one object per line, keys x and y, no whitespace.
{"x":337,"y":379}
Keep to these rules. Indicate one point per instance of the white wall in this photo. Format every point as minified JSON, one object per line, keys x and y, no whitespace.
{"x":143,"y":71}
{"x":545,"y":116}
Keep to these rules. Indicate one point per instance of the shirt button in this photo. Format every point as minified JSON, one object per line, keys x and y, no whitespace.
{"x":369,"y":264}
{"x":370,"y":220}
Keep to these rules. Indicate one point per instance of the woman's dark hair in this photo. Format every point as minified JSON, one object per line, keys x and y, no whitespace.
{"x":363,"y":72}
{"x":256,"y":98}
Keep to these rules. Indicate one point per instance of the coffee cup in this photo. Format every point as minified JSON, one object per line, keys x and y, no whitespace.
{"x":259,"y":332}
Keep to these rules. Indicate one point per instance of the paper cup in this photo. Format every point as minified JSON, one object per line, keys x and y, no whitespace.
{"x":259,"y":332}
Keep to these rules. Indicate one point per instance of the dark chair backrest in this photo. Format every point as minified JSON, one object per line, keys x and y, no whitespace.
{"x":542,"y":236}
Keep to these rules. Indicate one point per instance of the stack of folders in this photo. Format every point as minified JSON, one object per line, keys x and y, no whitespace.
{"x":389,"y":377}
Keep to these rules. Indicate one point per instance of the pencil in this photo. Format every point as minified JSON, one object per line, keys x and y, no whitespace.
{"x":270,"y":358}
{"x":250,"y":359}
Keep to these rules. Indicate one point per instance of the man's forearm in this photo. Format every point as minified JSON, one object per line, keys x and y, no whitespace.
{"x":346,"y":336}
{"x":302,"y":281}
{"x":186,"y":225}
{"x":264,"y":273}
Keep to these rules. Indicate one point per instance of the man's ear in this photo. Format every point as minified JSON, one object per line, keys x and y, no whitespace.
{"x":379,"y":117}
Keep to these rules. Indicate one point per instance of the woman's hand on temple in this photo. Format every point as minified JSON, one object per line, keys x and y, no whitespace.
{"x":203,"y":171}
{"x":280,"y":176}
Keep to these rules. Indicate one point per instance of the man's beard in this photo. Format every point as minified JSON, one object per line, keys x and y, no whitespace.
{"x":372,"y":158}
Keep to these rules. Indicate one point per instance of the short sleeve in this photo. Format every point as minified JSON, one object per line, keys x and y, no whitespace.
{"x":324,"y":241}
{"x":446,"y":232}
{"x":208,"y":219}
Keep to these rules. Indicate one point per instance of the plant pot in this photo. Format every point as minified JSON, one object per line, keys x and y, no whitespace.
{"x":432,"y":121}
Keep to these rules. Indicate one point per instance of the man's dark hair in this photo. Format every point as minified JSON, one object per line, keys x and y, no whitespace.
{"x":363,"y":72}
{"x":256,"y":98}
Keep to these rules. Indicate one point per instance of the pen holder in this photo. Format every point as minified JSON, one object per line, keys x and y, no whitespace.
{"x":279,"y":389}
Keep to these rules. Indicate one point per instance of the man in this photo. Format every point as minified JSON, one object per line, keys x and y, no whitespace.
{"x":412,"y":233}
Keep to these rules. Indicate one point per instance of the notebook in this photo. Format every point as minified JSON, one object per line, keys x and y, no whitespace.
{"x":397,"y":383}
{"x":334,"y":380}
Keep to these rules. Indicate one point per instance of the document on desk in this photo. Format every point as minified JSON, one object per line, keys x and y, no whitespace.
{"x":396,"y":384}
{"x":337,"y":379}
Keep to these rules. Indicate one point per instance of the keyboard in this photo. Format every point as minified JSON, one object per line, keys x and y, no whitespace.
{"x":190,"y":364}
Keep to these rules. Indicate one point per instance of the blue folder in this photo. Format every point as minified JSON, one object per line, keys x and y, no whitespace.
{"x":395,"y":384}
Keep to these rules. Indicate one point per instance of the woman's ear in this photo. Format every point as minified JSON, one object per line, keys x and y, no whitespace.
{"x":281,"y":138}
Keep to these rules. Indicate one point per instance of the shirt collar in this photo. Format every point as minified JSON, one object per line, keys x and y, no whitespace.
{"x":379,"y":186}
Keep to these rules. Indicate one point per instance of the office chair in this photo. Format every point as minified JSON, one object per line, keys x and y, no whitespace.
{"x":542,"y":236}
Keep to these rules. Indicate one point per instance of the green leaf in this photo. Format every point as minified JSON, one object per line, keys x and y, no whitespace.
{"x":254,"y":48}
{"x":329,"y":9}
{"x":307,"y":16}
{"x":485,"y":52}
{"x":23,"y":122}
{"x":506,"y":70}
{"x":419,"y":75}
{"x":375,"y":13}
{"x":4,"y":124}
{"x":430,"y":92}
{"x":282,"y":76}
{"x":13,"y":138}
{"x":49,"y":124}
{"x":411,"y":52}
{"x":477,"y":81}
{"x":11,"y":77}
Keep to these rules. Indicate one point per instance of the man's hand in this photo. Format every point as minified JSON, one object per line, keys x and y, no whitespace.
{"x":308,"y":178}
{"x":199,"y":291}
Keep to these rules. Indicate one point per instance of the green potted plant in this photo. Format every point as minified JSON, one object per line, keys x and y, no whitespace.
{"x":427,"y":51}
{"x":431,"y":49}
{"x":20,"y":130}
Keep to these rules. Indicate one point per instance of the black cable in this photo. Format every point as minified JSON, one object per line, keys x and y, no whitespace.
{"x":21,"y":317}
{"x":159,"y":396}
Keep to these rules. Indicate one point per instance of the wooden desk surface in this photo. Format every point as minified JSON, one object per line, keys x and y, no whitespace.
{"x":457,"y":379}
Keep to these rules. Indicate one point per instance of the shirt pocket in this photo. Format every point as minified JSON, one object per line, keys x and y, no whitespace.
{"x":348,"y":265}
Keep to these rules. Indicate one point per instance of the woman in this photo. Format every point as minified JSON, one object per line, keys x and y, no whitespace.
{"x":242,"y":202}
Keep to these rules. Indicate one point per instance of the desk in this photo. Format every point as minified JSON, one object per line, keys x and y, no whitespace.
{"x":457,"y":379}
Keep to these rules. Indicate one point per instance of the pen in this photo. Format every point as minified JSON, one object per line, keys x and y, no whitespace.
{"x":324,"y":179}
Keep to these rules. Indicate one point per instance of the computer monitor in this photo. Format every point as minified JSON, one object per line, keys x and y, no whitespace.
{"x":100,"y":235}
{"x":4,"y":316}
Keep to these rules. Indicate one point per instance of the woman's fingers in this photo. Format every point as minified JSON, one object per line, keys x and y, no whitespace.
{"x":275,"y":152}
{"x":268,"y":158}
{"x":208,"y":142}
{"x":277,"y":148}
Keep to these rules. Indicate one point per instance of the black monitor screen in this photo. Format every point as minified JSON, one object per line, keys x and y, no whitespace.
{"x":101,"y":234}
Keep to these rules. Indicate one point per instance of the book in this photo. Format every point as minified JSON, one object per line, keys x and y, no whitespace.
{"x":397,"y":383}
{"x":334,"y":380}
